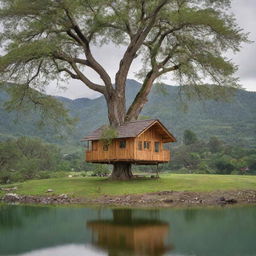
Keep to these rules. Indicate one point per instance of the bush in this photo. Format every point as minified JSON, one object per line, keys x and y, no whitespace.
{"x":5,"y":177}
{"x":224,"y":165}
{"x":100,"y":170}
{"x":43,"y":175}
{"x":184,"y":170}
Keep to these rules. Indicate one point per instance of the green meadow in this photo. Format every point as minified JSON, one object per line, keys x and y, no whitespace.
{"x":95,"y":186}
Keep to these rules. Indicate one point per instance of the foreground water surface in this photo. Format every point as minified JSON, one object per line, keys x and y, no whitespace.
{"x":54,"y":231}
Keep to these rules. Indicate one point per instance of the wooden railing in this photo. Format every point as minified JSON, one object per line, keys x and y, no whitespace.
{"x":162,"y":156}
{"x":166,"y":155}
{"x":106,"y":156}
{"x":88,"y":155}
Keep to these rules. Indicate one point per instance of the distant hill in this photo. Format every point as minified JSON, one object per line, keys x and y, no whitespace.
{"x":234,"y":122}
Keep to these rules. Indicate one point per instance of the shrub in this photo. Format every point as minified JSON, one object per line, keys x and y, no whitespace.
{"x":100,"y":170}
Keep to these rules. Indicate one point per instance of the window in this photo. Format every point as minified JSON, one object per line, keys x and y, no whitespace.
{"x":157,"y":146}
{"x":122,"y":144}
{"x":105,"y":147}
{"x":147,"y":145}
{"x":139,"y":145}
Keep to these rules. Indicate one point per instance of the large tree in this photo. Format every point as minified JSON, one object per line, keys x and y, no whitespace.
{"x":43,"y":40}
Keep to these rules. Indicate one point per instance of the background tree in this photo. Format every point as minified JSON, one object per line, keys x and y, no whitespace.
{"x":189,"y":137}
{"x":25,"y":157}
{"x":43,"y":39}
{"x":215,"y":145}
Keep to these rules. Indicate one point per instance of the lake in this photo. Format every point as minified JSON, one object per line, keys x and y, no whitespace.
{"x":54,"y":231}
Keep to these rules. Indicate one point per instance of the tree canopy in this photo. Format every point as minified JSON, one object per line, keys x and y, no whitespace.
{"x":43,"y":40}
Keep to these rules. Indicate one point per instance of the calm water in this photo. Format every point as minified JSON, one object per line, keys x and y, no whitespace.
{"x":40,"y":231}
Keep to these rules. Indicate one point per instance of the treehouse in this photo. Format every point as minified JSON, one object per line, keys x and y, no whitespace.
{"x":138,"y":142}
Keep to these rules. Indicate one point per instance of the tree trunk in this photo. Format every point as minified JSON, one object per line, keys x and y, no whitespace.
{"x":121,"y":171}
{"x":116,"y":109}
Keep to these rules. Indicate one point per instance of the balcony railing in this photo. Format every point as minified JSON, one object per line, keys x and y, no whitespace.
{"x":166,"y":155}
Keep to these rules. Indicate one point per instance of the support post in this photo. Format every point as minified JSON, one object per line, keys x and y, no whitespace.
{"x":157,"y":173}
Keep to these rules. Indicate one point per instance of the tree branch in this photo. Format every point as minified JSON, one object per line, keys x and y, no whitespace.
{"x":82,"y":40}
{"x":87,"y":81}
{"x":135,"y":44}
{"x":36,"y":74}
{"x":126,"y":22}
{"x":74,"y":76}
{"x":168,"y":69}
{"x":168,"y":57}
{"x":141,"y":97}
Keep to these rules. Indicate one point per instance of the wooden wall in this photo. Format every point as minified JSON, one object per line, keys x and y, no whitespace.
{"x":131,"y":152}
{"x":114,"y":151}
{"x":151,"y":135}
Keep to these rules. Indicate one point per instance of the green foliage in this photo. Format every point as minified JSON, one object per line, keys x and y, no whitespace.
{"x":25,"y":99}
{"x":8,"y":154}
{"x":74,"y":162}
{"x":28,"y":158}
{"x":100,"y":170}
{"x":42,"y":40}
{"x":189,"y":137}
{"x":108,"y":134}
{"x":24,"y":157}
{"x":213,"y":157}
{"x":224,"y":165}
{"x":215,"y":145}
{"x":232,"y":122}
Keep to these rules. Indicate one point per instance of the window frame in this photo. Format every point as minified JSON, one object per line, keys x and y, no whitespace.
{"x":122,"y":144}
{"x":146,"y":145}
{"x":157,"y":146}
{"x":140,"y":148}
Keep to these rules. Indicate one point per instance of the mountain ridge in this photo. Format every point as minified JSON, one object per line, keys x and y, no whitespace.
{"x":233,"y":122}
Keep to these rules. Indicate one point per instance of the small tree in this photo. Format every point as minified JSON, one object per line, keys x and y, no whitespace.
{"x":43,"y":39}
{"x":189,"y":137}
{"x":224,"y":165}
{"x":107,"y":135}
{"x":215,"y":145}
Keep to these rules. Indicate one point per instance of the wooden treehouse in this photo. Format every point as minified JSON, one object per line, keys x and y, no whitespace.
{"x":138,"y":142}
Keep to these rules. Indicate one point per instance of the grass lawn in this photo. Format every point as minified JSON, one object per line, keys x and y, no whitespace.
{"x":93,"y":187}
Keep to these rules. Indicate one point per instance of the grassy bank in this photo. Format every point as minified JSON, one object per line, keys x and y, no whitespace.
{"x":93,"y":187}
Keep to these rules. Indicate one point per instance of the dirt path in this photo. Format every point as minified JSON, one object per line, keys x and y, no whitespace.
{"x":156,"y":199}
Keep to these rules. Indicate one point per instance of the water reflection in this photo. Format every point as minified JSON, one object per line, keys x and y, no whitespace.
{"x":126,"y":234}
{"x":65,"y":250}
{"x":17,"y":216}
{"x":64,"y":231}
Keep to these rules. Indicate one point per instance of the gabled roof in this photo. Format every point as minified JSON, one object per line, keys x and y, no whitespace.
{"x":133,"y":129}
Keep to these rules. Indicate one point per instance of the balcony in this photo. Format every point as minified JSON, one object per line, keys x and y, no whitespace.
{"x":141,"y":156}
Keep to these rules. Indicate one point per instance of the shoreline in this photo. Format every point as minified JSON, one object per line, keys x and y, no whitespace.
{"x":161,"y":199}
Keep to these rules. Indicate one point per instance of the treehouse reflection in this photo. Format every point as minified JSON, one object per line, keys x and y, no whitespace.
{"x":138,"y":142}
{"x":130,"y":236}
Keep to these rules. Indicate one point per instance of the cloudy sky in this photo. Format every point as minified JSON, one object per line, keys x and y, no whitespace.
{"x":109,"y":57}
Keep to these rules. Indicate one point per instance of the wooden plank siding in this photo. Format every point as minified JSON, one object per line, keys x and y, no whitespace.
{"x":114,"y":152}
{"x":131,"y":152}
{"x":151,"y":135}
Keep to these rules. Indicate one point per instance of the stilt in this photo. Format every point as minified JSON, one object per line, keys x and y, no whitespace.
{"x":157,"y":174}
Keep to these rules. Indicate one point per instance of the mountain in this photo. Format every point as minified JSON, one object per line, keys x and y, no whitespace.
{"x":233,"y":122}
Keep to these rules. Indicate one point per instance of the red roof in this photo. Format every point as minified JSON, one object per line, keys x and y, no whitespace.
{"x":132,"y":129}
